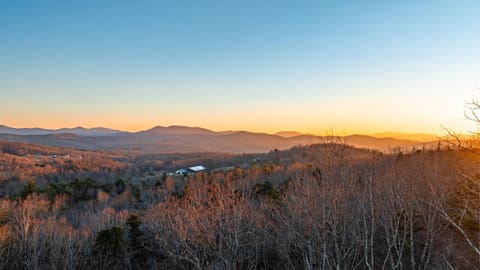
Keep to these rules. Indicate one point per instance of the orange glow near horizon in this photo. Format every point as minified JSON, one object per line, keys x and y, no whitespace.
{"x":327,"y":129}
{"x":366,"y":115}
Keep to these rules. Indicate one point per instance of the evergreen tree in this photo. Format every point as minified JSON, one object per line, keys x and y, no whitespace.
{"x":28,"y":189}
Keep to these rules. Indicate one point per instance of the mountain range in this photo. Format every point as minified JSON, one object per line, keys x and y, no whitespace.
{"x":81,"y":131}
{"x":194,"y":139}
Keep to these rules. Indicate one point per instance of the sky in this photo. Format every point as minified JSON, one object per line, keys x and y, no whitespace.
{"x":264,"y":66}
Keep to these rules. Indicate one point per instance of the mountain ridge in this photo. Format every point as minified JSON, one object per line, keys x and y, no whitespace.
{"x":188,"y":139}
{"x":79,"y":130}
{"x":424,"y":137}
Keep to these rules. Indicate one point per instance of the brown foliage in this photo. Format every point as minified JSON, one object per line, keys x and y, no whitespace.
{"x":318,"y":207}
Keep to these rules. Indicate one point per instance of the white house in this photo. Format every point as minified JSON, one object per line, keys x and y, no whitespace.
{"x":181,"y":171}
{"x":197,"y":168}
{"x":194,"y":169}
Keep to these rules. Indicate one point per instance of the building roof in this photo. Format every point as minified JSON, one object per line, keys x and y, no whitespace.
{"x":197,"y":168}
{"x":180,"y":171}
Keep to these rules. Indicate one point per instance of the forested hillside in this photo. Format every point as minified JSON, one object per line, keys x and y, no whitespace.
{"x":327,"y":206}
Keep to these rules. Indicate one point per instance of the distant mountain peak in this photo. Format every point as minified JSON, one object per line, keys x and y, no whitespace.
{"x":288,"y":134}
{"x":177,"y":129}
{"x":179,"y":126}
{"x":422,"y":137}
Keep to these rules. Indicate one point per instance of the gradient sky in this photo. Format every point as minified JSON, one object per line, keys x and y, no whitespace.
{"x":312,"y":66}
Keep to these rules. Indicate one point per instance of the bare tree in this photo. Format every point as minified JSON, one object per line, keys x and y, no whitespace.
{"x":471,"y":142}
{"x":462,"y":209}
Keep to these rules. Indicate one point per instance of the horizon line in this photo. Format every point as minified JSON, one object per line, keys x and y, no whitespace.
{"x":328,"y":132}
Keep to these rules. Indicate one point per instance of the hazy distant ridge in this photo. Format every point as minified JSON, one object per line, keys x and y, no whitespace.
{"x":184,"y":139}
{"x":81,"y":131}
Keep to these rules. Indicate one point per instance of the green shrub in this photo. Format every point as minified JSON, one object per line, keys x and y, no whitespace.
{"x":111,"y":240}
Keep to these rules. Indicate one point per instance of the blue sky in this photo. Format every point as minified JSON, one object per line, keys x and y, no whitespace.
{"x":362,"y":66}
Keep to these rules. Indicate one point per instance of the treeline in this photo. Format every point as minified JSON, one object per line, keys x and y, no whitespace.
{"x":20,"y":163}
{"x":321,"y":207}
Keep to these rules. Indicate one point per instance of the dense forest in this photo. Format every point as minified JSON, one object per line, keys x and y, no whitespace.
{"x":324,"y":206}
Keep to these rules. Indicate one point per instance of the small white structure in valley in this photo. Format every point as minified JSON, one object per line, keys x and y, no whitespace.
{"x":191,"y":170}
{"x":197,"y":168}
{"x":181,"y":171}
